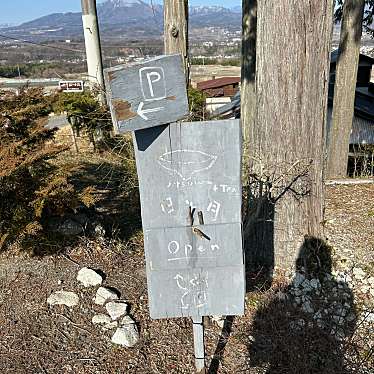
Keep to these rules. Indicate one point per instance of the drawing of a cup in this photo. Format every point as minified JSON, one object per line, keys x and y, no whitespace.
{"x":185,"y":163}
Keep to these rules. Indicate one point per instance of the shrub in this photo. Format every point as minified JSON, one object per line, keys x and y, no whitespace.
{"x":84,"y":112}
{"x":31,"y":188}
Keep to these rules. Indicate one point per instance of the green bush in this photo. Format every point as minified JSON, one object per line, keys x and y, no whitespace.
{"x":31,"y":188}
{"x":85,"y":113}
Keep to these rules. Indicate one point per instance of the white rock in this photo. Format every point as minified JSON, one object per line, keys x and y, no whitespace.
{"x":104,"y":294}
{"x":307,"y":307}
{"x":67,"y":298}
{"x":126,"y":335}
{"x":299,"y":278}
{"x":315,"y":283}
{"x":116,"y":309}
{"x":306,"y":286}
{"x":370,"y":317}
{"x":219,"y":320}
{"x":89,"y":277}
{"x":127,"y":320}
{"x":365,"y":289}
{"x":359,"y":273}
{"x":371,"y":281}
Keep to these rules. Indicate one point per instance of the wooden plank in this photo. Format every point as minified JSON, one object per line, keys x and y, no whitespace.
{"x":189,"y":164}
{"x":189,"y":178}
{"x":149,"y":94}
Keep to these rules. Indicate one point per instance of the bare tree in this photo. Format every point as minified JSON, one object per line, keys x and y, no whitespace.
{"x":286,"y":145}
{"x":345,"y":88}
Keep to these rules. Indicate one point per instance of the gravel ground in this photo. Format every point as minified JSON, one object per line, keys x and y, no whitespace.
{"x":37,"y":338}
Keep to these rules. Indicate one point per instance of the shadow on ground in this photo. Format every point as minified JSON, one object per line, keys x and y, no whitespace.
{"x":301,"y":327}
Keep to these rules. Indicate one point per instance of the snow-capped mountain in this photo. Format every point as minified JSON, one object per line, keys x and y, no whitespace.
{"x":123,"y":17}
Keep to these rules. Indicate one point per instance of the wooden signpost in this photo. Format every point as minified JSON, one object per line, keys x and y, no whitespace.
{"x":190,"y":189}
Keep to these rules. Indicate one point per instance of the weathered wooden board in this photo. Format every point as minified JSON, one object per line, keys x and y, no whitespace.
{"x":192,"y":167}
{"x":196,"y":292}
{"x":148,"y":94}
{"x":189,"y":164}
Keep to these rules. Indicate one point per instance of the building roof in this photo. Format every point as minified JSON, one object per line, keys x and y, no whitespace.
{"x":364,"y":59}
{"x":364,"y":105}
{"x":217,"y":83}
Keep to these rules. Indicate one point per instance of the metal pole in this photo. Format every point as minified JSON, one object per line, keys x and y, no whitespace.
{"x":93,"y":46}
{"x":198,"y":336}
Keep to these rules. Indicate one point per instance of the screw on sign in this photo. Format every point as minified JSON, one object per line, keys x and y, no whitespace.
{"x":190,"y":190}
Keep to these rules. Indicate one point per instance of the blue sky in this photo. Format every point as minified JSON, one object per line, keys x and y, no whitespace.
{"x":17,"y":11}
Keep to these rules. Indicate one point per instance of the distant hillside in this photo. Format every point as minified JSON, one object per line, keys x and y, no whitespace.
{"x":122,"y":18}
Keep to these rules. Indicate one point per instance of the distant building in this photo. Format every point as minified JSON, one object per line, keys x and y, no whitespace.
{"x":363,"y":121}
{"x":219,"y":91}
{"x":221,"y":87}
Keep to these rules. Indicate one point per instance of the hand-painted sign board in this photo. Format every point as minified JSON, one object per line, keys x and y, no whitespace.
{"x":71,"y":86}
{"x":149,"y":94}
{"x":189,"y":178}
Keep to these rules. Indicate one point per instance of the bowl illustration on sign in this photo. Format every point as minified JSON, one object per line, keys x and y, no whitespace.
{"x":185,"y":163}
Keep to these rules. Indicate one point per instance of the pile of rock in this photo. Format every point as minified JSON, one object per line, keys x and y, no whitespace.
{"x":116,"y":316}
{"x":329,"y":299}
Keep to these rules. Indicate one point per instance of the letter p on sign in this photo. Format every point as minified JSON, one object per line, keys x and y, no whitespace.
{"x":152,"y":80}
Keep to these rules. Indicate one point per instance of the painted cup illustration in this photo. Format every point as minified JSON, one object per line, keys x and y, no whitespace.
{"x":186,"y":163}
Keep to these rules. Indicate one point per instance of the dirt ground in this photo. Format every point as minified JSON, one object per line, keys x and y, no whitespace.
{"x":37,"y":338}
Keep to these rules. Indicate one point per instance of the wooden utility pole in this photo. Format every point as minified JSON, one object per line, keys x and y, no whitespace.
{"x":345,"y":88}
{"x":287,"y":144}
{"x":248,"y":74}
{"x":176,"y":30}
{"x":93,"y":46}
{"x":176,"y":41}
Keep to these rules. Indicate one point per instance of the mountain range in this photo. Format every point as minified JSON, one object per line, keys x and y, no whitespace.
{"x":122,"y":18}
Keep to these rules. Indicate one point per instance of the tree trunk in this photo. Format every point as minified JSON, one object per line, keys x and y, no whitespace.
{"x":345,"y":88}
{"x":176,"y":30}
{"x":287,"y":144}
{"x":248,"y":74}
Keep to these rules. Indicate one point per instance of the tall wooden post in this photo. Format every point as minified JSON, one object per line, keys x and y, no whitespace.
{"x":176,"y":41}
{"x":176,"y":30}
{"x":345,"y":88}
{"x":287,"y":144}
{"x":248,"y":74}
{"x":93,"y":47}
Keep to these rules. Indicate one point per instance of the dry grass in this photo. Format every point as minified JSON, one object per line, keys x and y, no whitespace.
{"x":35,"y":338}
